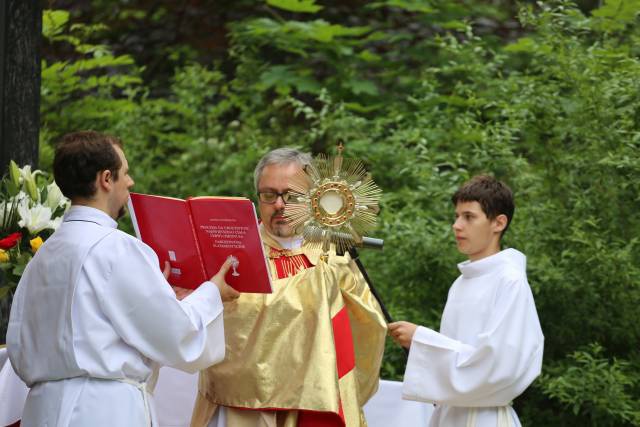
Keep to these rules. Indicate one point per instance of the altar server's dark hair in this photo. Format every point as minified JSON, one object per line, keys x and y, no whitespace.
{"x":495,"y":197}
{"x":79,"y":157}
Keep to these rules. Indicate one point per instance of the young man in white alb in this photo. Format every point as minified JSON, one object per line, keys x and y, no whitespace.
{"x":93,"y":313}
{"x":490,"y":344}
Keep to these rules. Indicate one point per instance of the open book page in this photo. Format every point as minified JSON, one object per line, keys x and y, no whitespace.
{"x":227,"y":226}
{"x":164,"y":224}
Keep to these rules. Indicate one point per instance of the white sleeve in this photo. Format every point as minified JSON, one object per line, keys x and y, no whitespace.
{"x":506,"y":358}
{"x":139,"y":302}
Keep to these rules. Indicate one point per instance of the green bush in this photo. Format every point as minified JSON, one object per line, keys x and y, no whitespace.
{"x":427,"y":99}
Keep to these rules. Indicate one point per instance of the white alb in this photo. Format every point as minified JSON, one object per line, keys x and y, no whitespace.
{"x":488,"y":350}
{"x":92,"y":318}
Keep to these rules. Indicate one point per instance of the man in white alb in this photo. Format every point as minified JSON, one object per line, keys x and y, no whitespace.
{"x":490,"y":344}
{"x":93,"y":313}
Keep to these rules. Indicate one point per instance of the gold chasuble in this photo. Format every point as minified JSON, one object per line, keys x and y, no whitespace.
{"x":307,"y":355}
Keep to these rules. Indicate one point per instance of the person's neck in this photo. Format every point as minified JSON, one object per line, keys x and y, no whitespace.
{"x":492,"y":250}
{"x":93,"y":203}
{"x":289,"y":242}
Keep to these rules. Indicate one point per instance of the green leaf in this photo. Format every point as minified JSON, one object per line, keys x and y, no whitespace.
{"x":275,"y":75}
{"x":455,"y":25}
{"x":322,"y":31}
{"x":616,"y":14}
{"x":304,"y":6}
{"x":408,"y":5}
{"x":53,"y":22}
{"x":523,"y":44}
{"x":356,"y":106}
{"x":24,"y":258}
{"x":132,"y":14}
{"x":369,"y":56}
{"x":19,"y":269}
{"x":12,"y":189}
{"x":283,"y":78}
{"x":363,"y":87}
{"x":4,"y":291}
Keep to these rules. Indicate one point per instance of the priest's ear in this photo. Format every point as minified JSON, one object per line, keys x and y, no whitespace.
{"x":499,"y":223}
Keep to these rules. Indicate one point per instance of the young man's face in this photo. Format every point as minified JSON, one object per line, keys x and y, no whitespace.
{"x":275,"y":179}
{"x":476,"y":235}
{"x":121,"y":186}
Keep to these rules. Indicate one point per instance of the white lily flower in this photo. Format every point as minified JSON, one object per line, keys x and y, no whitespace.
{"x":26,"y":174}
{"x":35,"y":219}
{"x":55,"y":223}
{"x":24,"y":171}
{"x":21,"y":199}
{"x":3,"y":206}
{"x":55,"y":198}
{"x":29,"y":179}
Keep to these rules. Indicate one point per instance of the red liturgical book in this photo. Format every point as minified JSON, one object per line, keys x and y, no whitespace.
{"x":198,"y":234}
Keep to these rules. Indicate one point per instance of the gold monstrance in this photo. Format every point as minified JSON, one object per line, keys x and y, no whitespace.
{"x":334,"y":201}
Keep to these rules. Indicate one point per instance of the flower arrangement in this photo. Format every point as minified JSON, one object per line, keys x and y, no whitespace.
{"x":31,"y":209}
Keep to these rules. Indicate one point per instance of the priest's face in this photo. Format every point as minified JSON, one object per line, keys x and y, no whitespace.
{"x":476,"y":235}
{"x":121,"y":186}
{"x":275,"y":180}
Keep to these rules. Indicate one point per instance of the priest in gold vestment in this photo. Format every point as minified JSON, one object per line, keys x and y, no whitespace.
{"x":307,"y":355}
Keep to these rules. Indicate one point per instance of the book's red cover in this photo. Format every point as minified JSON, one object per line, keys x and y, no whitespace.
{"x":229,"y":227}
{"x":164,"y":224}
{"x":197,"y":235}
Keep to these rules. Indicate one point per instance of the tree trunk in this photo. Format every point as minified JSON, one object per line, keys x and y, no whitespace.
{"x":20,"y":35}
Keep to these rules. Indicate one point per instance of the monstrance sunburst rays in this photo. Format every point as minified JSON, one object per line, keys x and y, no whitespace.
{"x":334,"y":200}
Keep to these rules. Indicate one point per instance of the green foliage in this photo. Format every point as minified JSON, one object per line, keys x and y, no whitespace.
{"x":596,"y":386}
{"x":410,"y":6}
{"x":310,"y":51}
{"x":615,"y":15}
{"x":428,"y":97}
{"x":296,"y":5}
{"x":81,"y":93}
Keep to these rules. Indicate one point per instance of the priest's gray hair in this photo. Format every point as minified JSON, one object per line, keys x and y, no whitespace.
{"x":280,"y":156}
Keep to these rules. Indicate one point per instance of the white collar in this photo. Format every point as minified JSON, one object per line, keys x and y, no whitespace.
{"x":293,"y":242}
{"x":491,"y":263}
{"x":89,"y":214}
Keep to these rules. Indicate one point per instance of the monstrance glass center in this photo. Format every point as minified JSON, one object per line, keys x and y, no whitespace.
{"x":332,"y":202}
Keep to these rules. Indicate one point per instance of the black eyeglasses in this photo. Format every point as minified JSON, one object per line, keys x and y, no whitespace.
{"x":271,"y":197}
